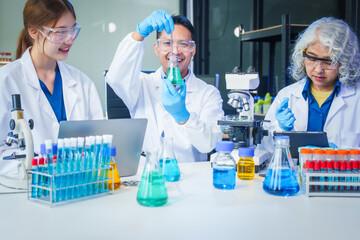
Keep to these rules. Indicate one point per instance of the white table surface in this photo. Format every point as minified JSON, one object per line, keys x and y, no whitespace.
{"x":195,"y":210}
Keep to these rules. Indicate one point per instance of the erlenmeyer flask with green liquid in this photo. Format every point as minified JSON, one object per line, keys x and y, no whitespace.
{"x":173,"y":73}
{"x":152,"y":190}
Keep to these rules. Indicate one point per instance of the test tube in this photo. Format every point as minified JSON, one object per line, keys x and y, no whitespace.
{"x":342,"y":157}
{"x":342,"y":179}
{"x":41,"y":179}
{"x":34,"y":177}
{"x":66,"y":169}
{"x":318,"y":154}
{"x":330,"y":157}
{"x":336,"y":166}
{"x":355,"y":170}
{"x":78,"y":167}
{"x":59,"y":168}
{"x":322,"y":178}
{"x":310,"y":169}
{"x":72,"y":161}
{"x":316,"y":170}
{"x":304,"y":156}
{"x":348,"y":179}
{"x":354,"y":156}
{"x":329,"y":167}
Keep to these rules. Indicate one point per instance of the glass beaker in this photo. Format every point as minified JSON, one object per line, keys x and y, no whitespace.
{"x":152,"y":190}
{"x":173,"y":73}
{"x":168,"y":162}
{"x":281,"y":176}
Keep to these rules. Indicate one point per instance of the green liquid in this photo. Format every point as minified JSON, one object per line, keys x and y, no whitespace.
{"x":176,"y":76}
{"x":152,"y":190}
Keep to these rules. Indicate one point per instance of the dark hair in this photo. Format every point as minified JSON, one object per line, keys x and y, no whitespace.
{"x":38,"y":13}
{"x":181,"y":20}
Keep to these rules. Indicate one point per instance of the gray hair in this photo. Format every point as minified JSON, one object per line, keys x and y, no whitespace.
{"x":343,"y":48}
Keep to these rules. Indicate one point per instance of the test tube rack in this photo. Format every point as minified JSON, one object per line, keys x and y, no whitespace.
{"x":59,"y":189}
{"x":311,"y":184}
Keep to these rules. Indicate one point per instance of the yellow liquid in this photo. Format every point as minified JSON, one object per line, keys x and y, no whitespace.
{"x":117,"y":181}
{"x":246,"y":168}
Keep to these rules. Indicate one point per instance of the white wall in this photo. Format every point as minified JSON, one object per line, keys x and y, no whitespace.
{"x":95,"y":47}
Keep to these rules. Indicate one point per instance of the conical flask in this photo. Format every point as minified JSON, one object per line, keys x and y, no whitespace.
{"x":168,"y":162}
{"x":173,"y":73}
{"x":152,"y":190}
{"x":281,"y":177}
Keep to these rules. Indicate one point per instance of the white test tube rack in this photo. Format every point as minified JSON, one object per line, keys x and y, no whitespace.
{"x":345,"y":193}
{"x":83,"y":190}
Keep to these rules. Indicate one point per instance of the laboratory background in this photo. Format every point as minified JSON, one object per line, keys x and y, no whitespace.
{"x":103,"y":185}
{"x":106,"y":23}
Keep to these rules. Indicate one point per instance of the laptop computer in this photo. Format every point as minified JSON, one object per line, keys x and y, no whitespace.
{"x":303,"y":138}
{"x":128,"y":137}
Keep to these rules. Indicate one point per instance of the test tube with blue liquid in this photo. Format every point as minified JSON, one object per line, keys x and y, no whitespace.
{"x":41,"y":179}
{"x":79,"y":167}
{"x":59,"y":169}
{"x":34,"y":177}
{"x":98,"y":142}
{"x":66,"y":169}
{"x":44,"y":169}
{"x":336,"y":166}
{"x":87,"y":166}
{"x":72,"y":175}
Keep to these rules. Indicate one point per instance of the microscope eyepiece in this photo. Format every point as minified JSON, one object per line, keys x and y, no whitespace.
{"x":16,"y":102}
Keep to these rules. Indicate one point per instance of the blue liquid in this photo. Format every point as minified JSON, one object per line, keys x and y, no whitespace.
{"x":281,"y":182}
{"x":224,"y":178}
{"x":152,"y":190}
{"x":34,"y":182}
{"x":171,"y":171}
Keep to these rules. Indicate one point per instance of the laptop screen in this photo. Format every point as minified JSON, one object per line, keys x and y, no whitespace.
{"x":128,"y":137}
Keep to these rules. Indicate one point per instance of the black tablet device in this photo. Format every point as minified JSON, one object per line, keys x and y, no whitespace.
{"x":302,"y":139}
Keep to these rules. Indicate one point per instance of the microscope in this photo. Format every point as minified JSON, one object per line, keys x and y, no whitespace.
{"x":21,"y":135}
{"x":243,"y":130}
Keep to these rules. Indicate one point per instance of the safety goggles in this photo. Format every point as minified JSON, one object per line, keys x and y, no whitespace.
{"x":186,"y":46}
{"x":326,"y":64}
{"x":60,"y":35}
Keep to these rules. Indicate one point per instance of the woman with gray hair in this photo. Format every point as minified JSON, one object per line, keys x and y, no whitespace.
{"x":326,"y":96}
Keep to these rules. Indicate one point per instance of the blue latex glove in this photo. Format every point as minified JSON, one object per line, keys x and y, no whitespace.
{"x":332,"y":145}
{"x":158,"y":20}
{"x":284,"y":116}
{"x":174,"y":101}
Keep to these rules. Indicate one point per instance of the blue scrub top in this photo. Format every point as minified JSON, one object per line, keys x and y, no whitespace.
{"x":56,"y":100}
{"x":317,"y":115}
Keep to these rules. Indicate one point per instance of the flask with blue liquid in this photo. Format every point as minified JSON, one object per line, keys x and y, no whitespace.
{"x":168,"y":162}
{"x":152,"y":190}
{"x":281,"y":178}
{"x":224,"y":166}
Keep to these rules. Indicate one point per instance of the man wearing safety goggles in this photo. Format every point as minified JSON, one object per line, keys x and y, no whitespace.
{"x":188,"y":112}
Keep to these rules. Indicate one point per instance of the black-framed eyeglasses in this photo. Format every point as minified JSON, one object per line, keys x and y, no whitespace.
{"x":326,"y":64}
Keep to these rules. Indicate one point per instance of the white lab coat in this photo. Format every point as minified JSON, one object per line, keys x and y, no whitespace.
{"x":342,"y":123}
{"x":81,"y":101}
{"x":142,"y":95}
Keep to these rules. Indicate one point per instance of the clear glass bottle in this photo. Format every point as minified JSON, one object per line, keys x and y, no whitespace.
{"x":173,"y":73}
{"x":168,"y":162}
{"x":224,"y":166}
{"x":246,"y":164}
{"x":152,"y":190}
{"x":281,"y":178}
{"x":117,"y":181}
